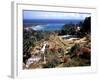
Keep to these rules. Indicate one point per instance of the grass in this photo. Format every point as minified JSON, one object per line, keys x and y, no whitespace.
{"x":55,"y":59}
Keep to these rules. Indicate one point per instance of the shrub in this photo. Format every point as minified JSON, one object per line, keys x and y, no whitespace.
{"x":74,"y":49}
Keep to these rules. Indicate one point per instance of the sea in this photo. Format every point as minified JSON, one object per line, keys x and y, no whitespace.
{"x":48,"y":25}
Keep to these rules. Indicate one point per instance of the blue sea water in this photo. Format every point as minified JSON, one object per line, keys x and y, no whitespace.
{"x":48,"y":25}
{"x":51,"y":21}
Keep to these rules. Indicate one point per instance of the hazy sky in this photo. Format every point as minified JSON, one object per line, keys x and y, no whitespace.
{"x":53,"y":15}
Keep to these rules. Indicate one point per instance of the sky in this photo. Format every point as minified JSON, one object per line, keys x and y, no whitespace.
{"x":37,"y":15}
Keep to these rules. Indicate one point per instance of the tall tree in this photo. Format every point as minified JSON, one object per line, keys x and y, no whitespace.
{"x":86,"y":27}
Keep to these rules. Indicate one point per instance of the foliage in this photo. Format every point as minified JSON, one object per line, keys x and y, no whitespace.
{"x":55,"y":56}
{"x":86,"y":27}
{"x":73,"y":49}
{"x":68,"y":29}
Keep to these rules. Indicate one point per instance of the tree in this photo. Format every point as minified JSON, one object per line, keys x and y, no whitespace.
{"x":68,"y":29}
{"x":86,"y":26}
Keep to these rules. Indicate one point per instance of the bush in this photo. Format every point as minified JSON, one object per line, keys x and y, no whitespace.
{"x":73,"y":49}
{"x":51,"y":63}
{"x":51,"y":59}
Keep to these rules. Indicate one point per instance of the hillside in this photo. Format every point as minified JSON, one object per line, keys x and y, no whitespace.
{"x":57,"y":53}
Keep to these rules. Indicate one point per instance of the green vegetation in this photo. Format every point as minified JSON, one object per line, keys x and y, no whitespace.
{"x":59,"y":52}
